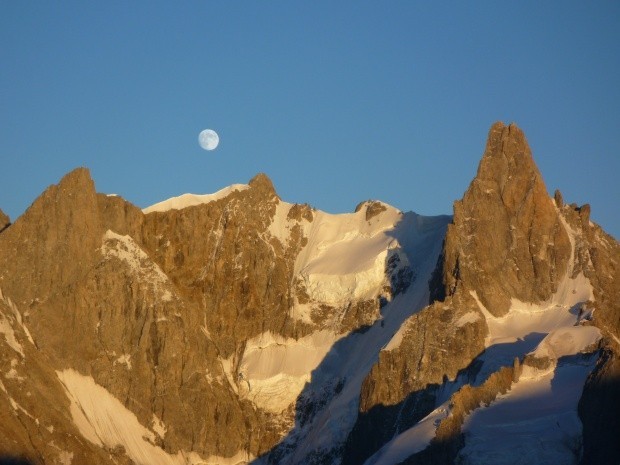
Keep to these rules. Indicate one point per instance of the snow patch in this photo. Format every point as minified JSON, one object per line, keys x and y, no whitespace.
{"x":125,"y":249}
{"x":397,"y":339}
{"x":124,"y":359}
{"x":227,"y":368}
{"x":280,"y":227}
{"x":158,"y":427}
{"x":274,"y":370}
{"x":567,"y":341}
{"x":6,"y":325}
{"x":469,"y":317}
{"x":12,"y":373}
{"x":7,"y":330}
{"x":190,"y":200}
{"x":64,"y":457}
{"x":15,"y":405}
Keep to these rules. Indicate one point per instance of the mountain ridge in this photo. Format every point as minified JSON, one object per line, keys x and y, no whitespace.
{"x":242,"y":328}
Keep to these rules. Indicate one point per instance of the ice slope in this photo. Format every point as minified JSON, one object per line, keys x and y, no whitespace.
{"x":332,"y":393}
{"x":345,"y":256}
{"x":189,"y":200}
{"x":274,"y":370}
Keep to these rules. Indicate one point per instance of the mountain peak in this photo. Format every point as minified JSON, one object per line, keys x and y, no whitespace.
{"x":507,"y":166}
{"x":262,"y":182}
{"x":5,"y":221}
{"x":77,"y":175}
{"x":507,"y":239}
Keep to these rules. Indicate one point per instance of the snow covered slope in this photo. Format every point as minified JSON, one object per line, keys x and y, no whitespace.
{"x":189,"y":200}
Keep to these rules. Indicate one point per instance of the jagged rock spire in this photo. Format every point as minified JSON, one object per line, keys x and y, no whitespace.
{"x":507,"y":239}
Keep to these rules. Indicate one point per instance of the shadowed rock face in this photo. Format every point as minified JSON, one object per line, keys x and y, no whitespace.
{"x":4,"y":221}
{"x":598,"y":410}
{"x":507,"y":240}
{"x":402,"y":386}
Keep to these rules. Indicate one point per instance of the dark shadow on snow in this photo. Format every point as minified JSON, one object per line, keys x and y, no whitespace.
{"x":12,"y":460}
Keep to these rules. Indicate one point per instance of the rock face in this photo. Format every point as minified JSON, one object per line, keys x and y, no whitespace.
{"x":4,"y":221}
{"x":432,"y":350}
{"x":507,"y":240}
{"x":236,"y":327}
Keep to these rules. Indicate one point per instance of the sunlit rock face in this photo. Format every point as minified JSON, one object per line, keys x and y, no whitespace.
{"x":507,"y":240}
{"x":238,"y":328}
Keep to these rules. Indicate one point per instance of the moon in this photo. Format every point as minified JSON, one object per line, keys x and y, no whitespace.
{"x":208,"y":139}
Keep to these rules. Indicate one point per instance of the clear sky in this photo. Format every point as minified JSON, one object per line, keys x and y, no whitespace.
{"x":337,"y":102}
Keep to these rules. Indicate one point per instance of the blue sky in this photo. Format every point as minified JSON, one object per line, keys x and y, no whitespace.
{"x":337,"y":102}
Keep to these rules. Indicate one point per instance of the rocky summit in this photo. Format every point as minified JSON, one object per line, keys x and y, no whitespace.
{"x":236,"y":328}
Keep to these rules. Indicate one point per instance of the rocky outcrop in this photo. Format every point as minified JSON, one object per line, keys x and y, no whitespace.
{"x":35,"y":421}
{"x":597,"y":256}
{"x":373,"y":208}
{"x":432,"y":349}
{"x":435,"y":345}
{"x":507,"y":240}
{"x":51,"y":245}
{"x":4,"y":221}
{"x":231,"y":269}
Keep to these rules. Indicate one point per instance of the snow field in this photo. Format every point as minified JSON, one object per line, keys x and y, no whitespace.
{"x":274,"y":370}
{"x":190,"y":200}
